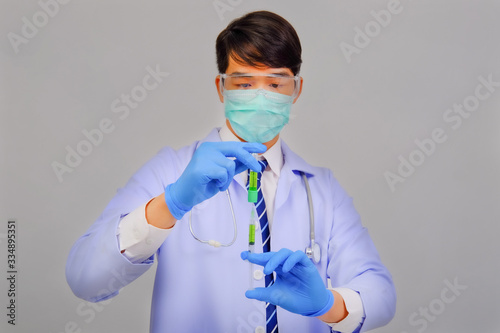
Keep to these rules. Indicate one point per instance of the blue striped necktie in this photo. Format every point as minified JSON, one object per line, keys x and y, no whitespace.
{"x":260,"y":206}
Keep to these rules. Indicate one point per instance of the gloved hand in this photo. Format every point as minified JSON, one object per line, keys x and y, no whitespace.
{"x":298,"y":287}
{"x":210,"y":171}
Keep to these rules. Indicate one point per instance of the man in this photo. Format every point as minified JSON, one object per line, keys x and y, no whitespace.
{"x":177,"y":195}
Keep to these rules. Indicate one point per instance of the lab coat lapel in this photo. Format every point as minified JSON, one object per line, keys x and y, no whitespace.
{"x":290,"y":174}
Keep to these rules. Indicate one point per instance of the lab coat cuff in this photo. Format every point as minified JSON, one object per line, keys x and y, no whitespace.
{"x":138,"y":238}
{"x":355,"y":310}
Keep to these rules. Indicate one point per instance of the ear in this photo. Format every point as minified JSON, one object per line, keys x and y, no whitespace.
{"x":300,"y":90}
{"x":217,"y":85}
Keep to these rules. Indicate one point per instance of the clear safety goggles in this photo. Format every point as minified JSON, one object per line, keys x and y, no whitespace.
{"x":282,"y":84}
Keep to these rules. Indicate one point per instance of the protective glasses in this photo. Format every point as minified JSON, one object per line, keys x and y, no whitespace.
{"x":282,"y":84}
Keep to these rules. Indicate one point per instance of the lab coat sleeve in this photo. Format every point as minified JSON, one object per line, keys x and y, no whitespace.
{"x":354,"y":262}
{"x":95,"y":269}
{"x":354,"y":307}
{"x":138,"y":239}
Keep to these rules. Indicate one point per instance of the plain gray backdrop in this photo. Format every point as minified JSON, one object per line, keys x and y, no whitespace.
{"x":365,"y":112}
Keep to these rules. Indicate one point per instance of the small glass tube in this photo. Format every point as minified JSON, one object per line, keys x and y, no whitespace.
{"x":252,"y":187}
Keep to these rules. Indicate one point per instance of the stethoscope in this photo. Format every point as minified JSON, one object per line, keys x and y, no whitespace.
{"x":312,"y":251}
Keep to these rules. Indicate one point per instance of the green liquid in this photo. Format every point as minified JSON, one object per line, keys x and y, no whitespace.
{"x":251,"y":234}
{"x":253,"y":181}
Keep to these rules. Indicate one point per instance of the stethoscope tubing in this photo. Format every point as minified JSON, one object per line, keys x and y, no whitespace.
{"x":212,"y":242}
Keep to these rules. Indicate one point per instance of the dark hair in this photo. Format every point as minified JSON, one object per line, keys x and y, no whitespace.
{"x":259,"y":38}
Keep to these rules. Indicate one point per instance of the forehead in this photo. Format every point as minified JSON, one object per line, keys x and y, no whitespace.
{"x":236,"y":67}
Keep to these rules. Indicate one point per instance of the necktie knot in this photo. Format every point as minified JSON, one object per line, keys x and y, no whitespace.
{"x":264,"y":164}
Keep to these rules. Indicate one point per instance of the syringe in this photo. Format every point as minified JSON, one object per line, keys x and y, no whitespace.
{"x":251,"y":232}
{"x":251,"y":242}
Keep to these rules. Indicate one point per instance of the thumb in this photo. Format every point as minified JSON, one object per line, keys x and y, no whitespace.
{"x":239,"y":167}
{"x":261,"y":294}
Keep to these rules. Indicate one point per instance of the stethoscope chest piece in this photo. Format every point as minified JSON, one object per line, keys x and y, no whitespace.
{"x":314,"y":252}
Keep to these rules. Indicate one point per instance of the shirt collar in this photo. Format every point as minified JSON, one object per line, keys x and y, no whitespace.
{"x":273,"y":156}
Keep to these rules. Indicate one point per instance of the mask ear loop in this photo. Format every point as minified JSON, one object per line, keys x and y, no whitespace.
{"x":221,"y":83}
{"x":296,"y":89}
{"x":296,"y":82}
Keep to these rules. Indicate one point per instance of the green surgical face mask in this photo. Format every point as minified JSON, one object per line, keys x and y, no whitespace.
{"x":257,"y":115}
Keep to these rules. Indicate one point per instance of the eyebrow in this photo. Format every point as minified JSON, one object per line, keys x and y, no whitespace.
{"x":281,"y":73}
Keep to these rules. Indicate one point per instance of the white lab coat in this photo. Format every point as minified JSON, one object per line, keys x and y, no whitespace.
{"x":199,"y":288}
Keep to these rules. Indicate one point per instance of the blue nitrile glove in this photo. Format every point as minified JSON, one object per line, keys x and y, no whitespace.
{"x":210,"y":171}
{"x":298,"y":287}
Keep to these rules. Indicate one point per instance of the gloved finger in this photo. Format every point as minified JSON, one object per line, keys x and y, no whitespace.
{"x":225,"y":173}
{"x":239,"y":167}
{"x":242,"y":152}
{"x":271,"y":295}
{"x":250,"y":147}
{"x":215,"y":173}
{"x":276,"y":260}
{"x":294,"y":259}
{"x":257,"y":258}
{"x":261,"y":294}
{"x":254,"y":147}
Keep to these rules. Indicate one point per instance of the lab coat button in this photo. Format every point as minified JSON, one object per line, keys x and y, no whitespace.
{"x":260,"y":329}
{"x":258,"y":274}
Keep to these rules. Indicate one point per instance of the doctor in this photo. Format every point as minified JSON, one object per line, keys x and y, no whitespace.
{"x":199,"y":288}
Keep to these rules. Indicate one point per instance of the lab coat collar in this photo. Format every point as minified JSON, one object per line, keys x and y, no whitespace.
{"x":295,"y":163}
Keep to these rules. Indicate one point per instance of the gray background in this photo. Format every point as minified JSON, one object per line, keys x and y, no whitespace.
{"x":355,"y":117}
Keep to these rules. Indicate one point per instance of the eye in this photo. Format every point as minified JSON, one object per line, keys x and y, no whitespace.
{"x":245,"y":85}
